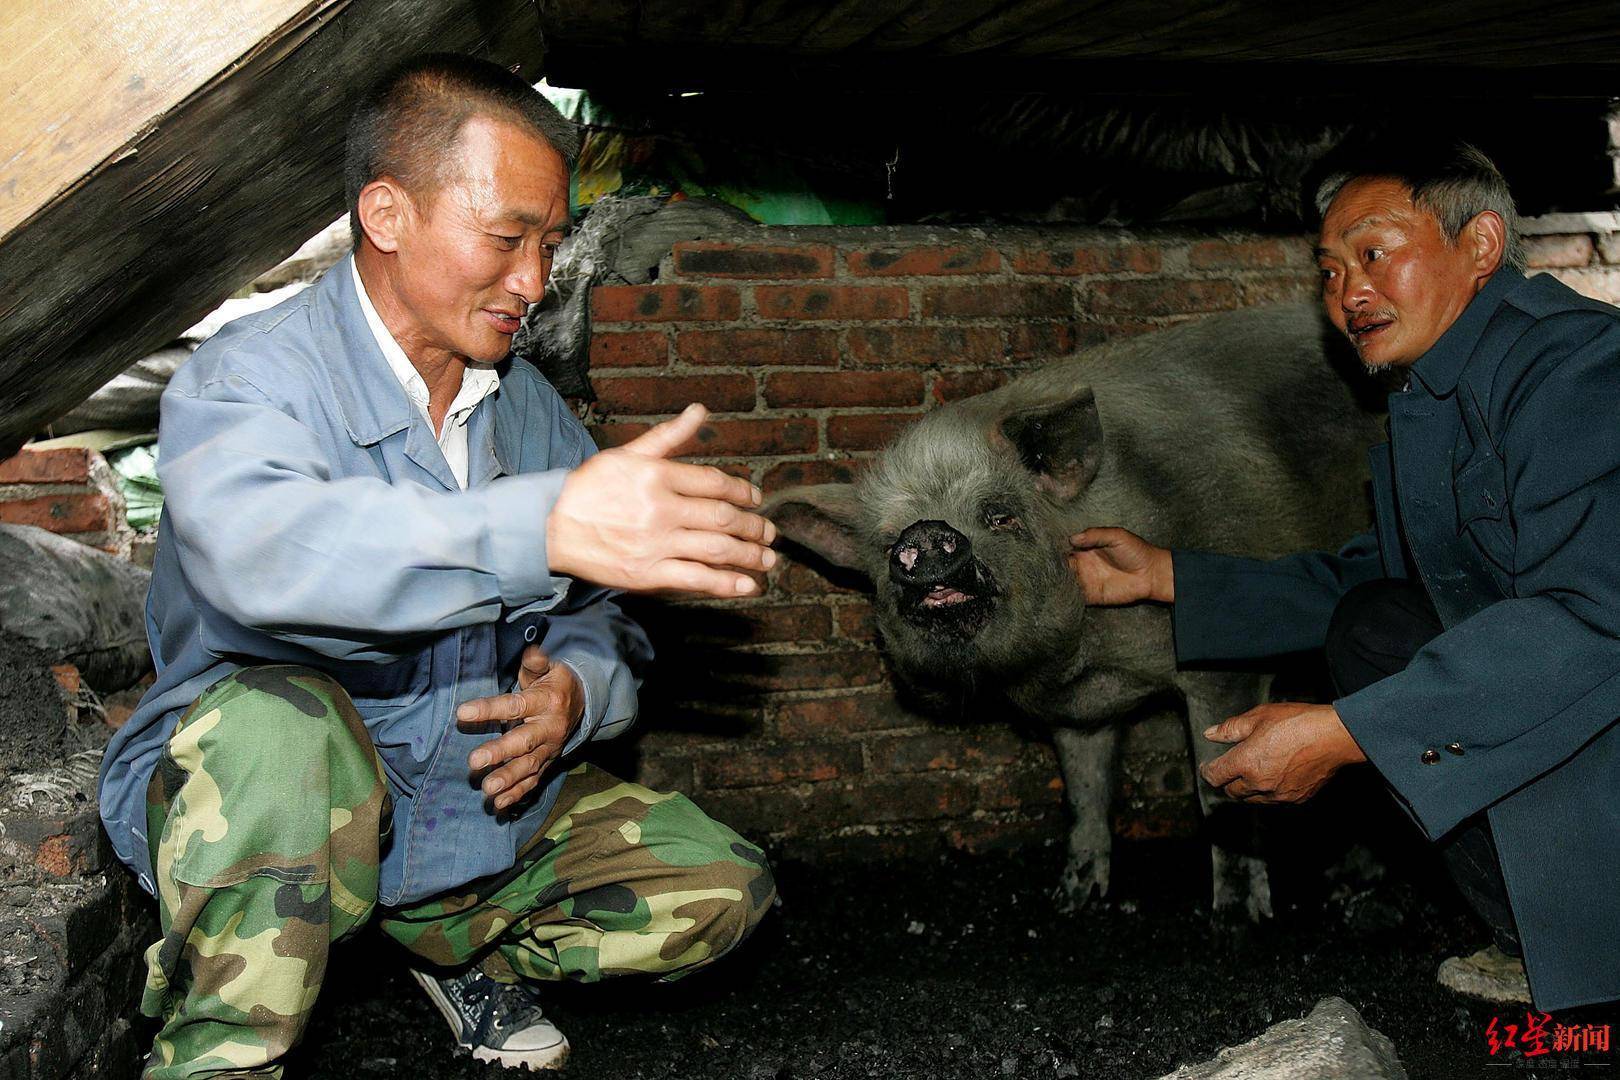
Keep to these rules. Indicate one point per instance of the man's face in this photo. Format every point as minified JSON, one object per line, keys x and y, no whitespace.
{"x":1390,"y":279}
{"x":473,"y":258}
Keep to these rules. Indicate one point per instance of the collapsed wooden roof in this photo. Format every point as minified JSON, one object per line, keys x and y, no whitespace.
{"x":156,"y":155}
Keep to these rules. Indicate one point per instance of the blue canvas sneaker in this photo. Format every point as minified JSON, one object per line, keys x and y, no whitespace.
{"x":498,"y":1022}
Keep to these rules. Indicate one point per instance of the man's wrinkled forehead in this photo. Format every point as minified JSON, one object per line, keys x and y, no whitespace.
{"x":1366,"y":204}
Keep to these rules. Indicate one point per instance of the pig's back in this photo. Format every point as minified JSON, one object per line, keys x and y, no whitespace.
{"x":1241,"y":432}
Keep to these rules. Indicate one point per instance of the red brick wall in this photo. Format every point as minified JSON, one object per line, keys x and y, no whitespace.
{"x":813,"y":347}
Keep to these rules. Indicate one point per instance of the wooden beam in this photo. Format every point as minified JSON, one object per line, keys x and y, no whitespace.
{"x":219,"y":187}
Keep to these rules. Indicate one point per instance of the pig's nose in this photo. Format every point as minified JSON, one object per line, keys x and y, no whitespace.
{"x":928,"y":551}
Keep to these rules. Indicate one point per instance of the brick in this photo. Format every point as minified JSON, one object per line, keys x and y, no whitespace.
{"x":657,"y":395}
{"x":1541,"y":252}
{"x":1027,"y":341}
{"x":750,"y":348}
{"x":958,"y":346}
{"x":924,"y":797}
{"x":733,"y":767}
{"x":1019,"y":789}
{"x":794,"y":578}
{"x":89,"y":512}
{"x":732,"y":624}
{"x":664,"y":303}
{"x":1281,"y":290}
{"x":774,"y":672}
{"x":846,"y":389}
{"x":743,"y":437}
{"x":609,"y":435}
{"x":65,"y":466}
{"x":1161,"y":296}
{"x":1156,"y":819}
{"x":1599,"y":284}
{"x":665,"y":773}
{"x":832,"y":302}
{"x":1241,"y":255}
{"x":866,"y":431}
{"x":948,"y":749}
{"x":1609,"y":247}
{"x":923,"y":261}
{"x":1005,"y":834}
{"x":858,"y":622}
{"x":965,"y":384}
{"x":840,"y":717}
{"x":998,"y":301}
{"x":643,"y":348}
{"x":1100,"y":259}
{"x":794,"y":473}
{"x":67,"y":677}
{"x":718,"y":259}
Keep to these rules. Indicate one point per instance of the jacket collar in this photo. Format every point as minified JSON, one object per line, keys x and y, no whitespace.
{"x":1441,"y":367}
{"x":373,"y":403}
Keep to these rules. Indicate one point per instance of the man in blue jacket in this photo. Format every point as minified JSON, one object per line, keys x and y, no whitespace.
{"x":383,"y":543}
{"x":1474,"y":636}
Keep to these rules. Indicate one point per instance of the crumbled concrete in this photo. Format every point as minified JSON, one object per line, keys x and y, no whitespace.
{"x":1331,"y":1043}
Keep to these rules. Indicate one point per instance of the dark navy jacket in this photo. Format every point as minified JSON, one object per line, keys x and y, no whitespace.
{"x":1503,"y":475}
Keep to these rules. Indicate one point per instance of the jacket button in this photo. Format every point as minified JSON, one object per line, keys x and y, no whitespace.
{"x":1455,"y":748}
{"x":1429,"y":756}
{"x":530,"y":632}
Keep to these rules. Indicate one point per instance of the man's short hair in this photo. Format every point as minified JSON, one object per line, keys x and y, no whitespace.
{"x":408,"y":123}
{"x":1454,"y":181}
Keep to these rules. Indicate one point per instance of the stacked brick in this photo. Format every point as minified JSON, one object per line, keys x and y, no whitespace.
{"x":67,"y":491}
{"x":813,"y":347}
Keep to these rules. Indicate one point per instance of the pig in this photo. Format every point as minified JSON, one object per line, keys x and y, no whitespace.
{"x":1244,"y":433}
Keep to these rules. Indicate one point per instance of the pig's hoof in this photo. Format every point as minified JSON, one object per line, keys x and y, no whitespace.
{"x":1083,"y":884}
{"x":1241,"y":886}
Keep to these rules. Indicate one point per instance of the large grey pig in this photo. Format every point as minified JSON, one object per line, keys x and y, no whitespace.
{"x":1242,"y":433}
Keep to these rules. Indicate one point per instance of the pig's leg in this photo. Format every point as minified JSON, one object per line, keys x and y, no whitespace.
{"x":1239,"y":871}
{"x":1086,"y":759}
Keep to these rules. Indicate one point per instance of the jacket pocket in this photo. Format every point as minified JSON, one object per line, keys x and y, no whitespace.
{"x":1480,"y":489}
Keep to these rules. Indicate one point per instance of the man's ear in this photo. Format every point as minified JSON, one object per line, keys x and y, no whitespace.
{"x":1487,"y":234}
{"x":1061,"y":444}
{"x":382,"y":209}
{"x":820,"y":517}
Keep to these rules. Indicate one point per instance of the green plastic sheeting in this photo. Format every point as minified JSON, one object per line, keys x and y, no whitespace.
{"x":138,"y":480}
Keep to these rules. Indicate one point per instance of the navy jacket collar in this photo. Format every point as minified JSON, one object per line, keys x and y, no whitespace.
{"x":1441,"y":367}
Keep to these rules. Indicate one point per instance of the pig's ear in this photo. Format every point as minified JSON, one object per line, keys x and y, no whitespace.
{"x":820,"y":517}
{"x":1061,"y":444}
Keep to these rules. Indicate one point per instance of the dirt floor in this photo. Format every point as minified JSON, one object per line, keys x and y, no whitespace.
{"x":960,"y":967}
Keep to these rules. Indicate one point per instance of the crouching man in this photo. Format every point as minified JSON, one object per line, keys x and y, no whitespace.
{"x":382,"y":620}
{"x":1474,"y":636}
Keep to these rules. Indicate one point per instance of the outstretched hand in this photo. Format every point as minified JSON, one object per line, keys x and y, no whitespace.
{"x":1115,"y":566}
{"x":539,"y":717}
{"x":630,"y":518}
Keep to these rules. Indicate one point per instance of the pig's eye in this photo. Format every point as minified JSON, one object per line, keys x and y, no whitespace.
{"x":1001,"y":520}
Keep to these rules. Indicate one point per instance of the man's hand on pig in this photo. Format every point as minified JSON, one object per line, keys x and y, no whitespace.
{"x":1286,"y":751}
{"x":1115,"y":566}
{"x":545,"y":710}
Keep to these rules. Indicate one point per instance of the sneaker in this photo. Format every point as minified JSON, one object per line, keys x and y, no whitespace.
{"x":1489,"y":975}
{"x":498,"y":1022}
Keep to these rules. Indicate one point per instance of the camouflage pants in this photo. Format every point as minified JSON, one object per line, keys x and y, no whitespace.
{"x":265,"y":816}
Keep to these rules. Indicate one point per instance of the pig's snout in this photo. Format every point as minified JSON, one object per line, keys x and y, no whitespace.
{"x":927,"y":552}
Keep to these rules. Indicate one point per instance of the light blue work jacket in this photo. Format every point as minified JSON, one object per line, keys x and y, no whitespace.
{"x":310,"y":518}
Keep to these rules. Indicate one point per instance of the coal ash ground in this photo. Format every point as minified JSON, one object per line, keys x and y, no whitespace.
{"x":961,"y":967}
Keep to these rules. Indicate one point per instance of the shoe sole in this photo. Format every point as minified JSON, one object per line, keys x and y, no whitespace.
{"x":545,"y":1058}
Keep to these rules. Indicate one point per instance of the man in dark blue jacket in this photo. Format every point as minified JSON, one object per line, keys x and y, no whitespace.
{"x":1474,"y":636}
